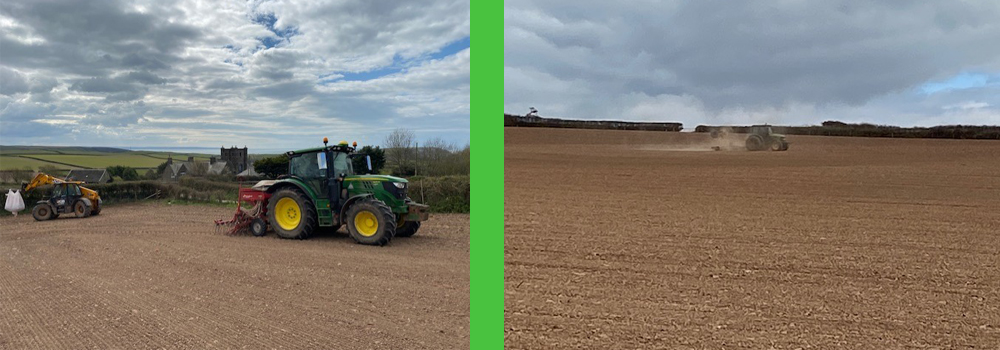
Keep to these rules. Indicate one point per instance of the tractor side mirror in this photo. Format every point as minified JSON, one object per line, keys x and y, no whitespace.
{"x":368,"y":159}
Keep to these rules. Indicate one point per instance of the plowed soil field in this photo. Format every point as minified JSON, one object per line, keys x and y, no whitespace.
{"x":628,"y":239}
{"x":157,"y":276}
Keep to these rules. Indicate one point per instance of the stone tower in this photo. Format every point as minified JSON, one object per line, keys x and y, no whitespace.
{"x":235,"y":158}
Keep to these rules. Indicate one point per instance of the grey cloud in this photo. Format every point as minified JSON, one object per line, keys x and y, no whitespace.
{"x":41,"y":85}
{"x":746,"y":54}
{"x":93,"y":37}
{"x":12,"y":82}
{"x":133,"y":60}
{"x":25,"y":111}
{"x":117,"y":114}
{"x":145,"y":78}
{"x":289,"y":91}
{"x":104,"y":69}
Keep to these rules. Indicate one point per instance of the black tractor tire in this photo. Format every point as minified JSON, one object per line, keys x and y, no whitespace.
{"x":407,"y":229}
{"x":755,"y":143}
{"x":307,"y":222}
{"x":784,"y":146}
{"x":97,"y":210}
{"x":258,"y":227}
{"x":42,"y":212}
{"x":81,"y":209}
{"x":383,"y":225}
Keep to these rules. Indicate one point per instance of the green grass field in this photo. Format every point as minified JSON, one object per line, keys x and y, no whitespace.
{"x":21,"y":157}
{"x":11,"y":162}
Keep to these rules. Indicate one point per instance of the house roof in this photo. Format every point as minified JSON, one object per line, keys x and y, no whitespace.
{"x":88,"y":175}
{"x":175,"y":168}
{"x":217,"y":168}
{"x":249,"y":172}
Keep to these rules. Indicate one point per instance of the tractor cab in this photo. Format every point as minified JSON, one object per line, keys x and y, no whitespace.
{"x":763,"y":130}
{"x":763,"y":138}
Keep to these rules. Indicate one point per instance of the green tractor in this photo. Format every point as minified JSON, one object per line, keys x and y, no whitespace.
{"x":762,"y":138}
{"x":321,"y":189}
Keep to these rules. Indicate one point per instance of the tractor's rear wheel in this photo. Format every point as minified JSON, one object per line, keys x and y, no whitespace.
{"x":754,"y":143}
{"x":291,"y":214}
{"x":369,"y":221}
{"x":81,"y":209}
{"x":42,"y":212}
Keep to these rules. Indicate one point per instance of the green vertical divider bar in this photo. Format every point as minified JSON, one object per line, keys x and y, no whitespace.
{"x":486,"y":233}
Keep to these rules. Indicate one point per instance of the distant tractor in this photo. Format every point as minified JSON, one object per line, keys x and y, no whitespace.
{"x":66,"y":197}
{"x":322,"y":189}
{"x":762,"y":138}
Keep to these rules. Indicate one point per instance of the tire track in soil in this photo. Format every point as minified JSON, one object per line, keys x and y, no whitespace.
{"x":212,"y":290}
{"x":839,"y":242}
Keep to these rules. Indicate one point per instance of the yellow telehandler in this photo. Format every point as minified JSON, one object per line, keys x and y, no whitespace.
{"x":66,"y":197}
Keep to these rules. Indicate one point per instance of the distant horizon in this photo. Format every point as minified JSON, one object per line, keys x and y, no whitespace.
{"x":848,"y":121}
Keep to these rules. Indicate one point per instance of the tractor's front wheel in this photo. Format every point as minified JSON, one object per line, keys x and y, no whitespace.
{"x":406,"y":228}
{"x":291,"y":214}
{"x":81,"y":209}
{"x":369,"y":221}
{"x":776,"y":146}
{"x":42,"y":212}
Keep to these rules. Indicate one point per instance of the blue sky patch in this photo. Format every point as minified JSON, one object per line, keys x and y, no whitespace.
{"x":399,"y":64}
{"x":268,"y":20}
{"x":964,"y":80}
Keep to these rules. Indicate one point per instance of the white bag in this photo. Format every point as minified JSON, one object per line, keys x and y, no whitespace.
{"x":14,"y":202}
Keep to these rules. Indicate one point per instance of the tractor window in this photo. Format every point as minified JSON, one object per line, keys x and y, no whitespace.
{"x":341,"y":164}
{"x":58,"y":190}
{"x":305,"y":166}
{"x":72,"y":190}
{"x":321,"y":160}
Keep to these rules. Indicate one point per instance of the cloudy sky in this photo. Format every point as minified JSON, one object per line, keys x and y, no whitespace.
{"x":271,"y":74}
{"x":741,"y":62}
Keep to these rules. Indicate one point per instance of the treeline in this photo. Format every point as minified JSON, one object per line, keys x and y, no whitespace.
{"x":444,"y":194}
{"x":837,"y":128}
{"x":513,"y":120}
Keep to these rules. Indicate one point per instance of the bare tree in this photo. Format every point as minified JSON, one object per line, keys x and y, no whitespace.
{"x":435,"y":155}
{"x":397,"y":148}
{"x":198,"y":168}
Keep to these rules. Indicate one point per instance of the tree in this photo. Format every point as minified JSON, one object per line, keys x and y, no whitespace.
{"x":397,"y":148}
{"x":124,"y":172}
{"x":378,"y":159}
{"x":272,"y":167}
{"x":160,"y":169}
{"x":197,"y":168}
{"x":51,"y":170}
{"x":434,"y":157}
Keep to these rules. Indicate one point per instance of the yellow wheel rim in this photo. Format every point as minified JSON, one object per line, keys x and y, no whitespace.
{"x":366,"y":223}
{"x":287,"y":213}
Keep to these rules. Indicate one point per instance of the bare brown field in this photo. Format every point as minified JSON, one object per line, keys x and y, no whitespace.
{"x":157,"y":276}
{"x":616,"y":241}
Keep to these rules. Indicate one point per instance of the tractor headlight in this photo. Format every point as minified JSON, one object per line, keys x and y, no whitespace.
{"x":400,"y":185}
